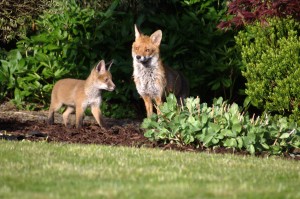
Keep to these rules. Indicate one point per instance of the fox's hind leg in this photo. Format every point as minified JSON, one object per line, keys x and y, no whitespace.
{"x":53,"y":108}
{"x":66,"y":114}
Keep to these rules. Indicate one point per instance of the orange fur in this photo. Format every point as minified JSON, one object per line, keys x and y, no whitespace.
{"x":79,"y":94}
{"x":151,"y":77}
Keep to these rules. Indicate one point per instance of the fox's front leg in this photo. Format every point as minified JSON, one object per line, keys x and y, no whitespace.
{"x":79,"y":116}
{"x":97,"y":115}
{"x":148,"y":105}
{"x":158,"y":102}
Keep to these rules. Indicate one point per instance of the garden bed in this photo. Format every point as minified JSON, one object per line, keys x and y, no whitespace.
{"x":32,"y":126}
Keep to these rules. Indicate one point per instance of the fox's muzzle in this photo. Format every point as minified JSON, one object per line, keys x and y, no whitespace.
{"x":143,"y":60}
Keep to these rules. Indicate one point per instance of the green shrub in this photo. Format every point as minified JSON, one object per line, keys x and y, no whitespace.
{"x":271,"y":60}
{"x":193,"y":44}
{"x":72,"y":37}
{"x":69,"y":42}
{"x":17,"y":17}
{"x":222,"y":125}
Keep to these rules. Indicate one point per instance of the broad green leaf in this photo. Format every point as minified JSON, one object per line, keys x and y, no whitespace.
{"x":213,"y":128}
{"x":230,"y":142}
{"x":265,"y":146}
{"x":284,"y":136}
{"x":239,"y":142}
{"x":204,"y":119}
{"x":251,"y":149}
{"x":237,"y":128}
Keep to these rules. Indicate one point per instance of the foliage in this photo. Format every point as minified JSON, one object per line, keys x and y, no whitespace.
{"x":220,"y":125}
{"x":245,"y":12}
{"x":74,"y":35}
{"x":69,"y":42}
{"x":16,"y":17}
{"x":271,"y":59}
{"x":32,"y":69}
{"x":193,"y":44}
{"x":100,"y":5}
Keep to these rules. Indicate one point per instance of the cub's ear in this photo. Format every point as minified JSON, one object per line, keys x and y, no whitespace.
{"x":156,"y":37}
{"x":100,"y":68}
{"x":110,"y":63}
{"x":137,"y":32}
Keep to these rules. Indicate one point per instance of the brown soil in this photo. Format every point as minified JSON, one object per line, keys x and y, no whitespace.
{"x":20,"y":125}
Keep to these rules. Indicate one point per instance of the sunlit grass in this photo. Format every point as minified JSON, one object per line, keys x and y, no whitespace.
{"x":43,"y":170}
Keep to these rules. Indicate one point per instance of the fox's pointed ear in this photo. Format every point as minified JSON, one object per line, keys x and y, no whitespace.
{"x":137,"y":32}
{"x":100,"y":68}
{"x":110,"y":63}
{"x":156,"y":37}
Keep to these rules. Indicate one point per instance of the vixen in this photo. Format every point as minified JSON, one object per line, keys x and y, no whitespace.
{"x":79,"y":94}
{"x":151,"y":77}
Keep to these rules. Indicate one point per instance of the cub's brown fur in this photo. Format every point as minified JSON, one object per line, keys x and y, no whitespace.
{"x":79,"y":94}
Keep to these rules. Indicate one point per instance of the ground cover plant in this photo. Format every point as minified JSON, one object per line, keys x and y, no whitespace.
{"x":57,"y":170}
{"x":221,"y":124}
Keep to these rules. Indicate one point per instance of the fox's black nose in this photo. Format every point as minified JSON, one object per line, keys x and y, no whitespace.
{"x":138,"y":57}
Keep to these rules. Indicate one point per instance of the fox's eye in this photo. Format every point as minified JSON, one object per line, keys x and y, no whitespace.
{"x":136,"y":48}
{"x":106,"y":80}
{"x":147,"y":50}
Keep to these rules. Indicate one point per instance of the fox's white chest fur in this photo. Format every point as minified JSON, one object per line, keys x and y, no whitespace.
{"x":93,"y":97}
{"x":148,"y":80}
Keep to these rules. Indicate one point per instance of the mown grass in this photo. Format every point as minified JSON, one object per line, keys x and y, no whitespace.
{"x":43,"y":170}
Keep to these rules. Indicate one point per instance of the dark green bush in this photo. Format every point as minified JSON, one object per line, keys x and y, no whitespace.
{"x":17,"y":17}
{"x":193,"y":44}
{"x":271,"y":60}
{"x":71,"y":38}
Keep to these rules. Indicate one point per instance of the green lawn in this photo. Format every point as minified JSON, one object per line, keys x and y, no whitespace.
{"x":43,"y":170}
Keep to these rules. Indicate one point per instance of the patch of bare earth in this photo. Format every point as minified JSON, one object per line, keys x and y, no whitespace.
{"x":32,"y":125}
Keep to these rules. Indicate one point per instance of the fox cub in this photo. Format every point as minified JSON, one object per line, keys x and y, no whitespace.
{"x":79,"y":94}
{"x":152,"y":79}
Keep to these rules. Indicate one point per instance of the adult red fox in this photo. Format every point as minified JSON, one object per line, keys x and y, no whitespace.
{"x":79,"y":94}
{"x":152,"y":79}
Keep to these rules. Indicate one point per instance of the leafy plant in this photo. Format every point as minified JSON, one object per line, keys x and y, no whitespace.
{"x":73,"y":36}
{"x":17,"y":17}
{"x":244,"y":12}
{"x":63,"y":42}
{"x":194,"y":45}
{"x":271,"y":59}
{"x":221,"y":125}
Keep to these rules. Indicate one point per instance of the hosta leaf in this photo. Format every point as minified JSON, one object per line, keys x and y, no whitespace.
{"x":251,"y":149}
{"x":237,"y":128}
{"x":204,"y":119}
{"x":284,"y":136}
{"x":231,"y":142}
{"x":265,"y":146}
{"x":240,"y":142}
{"x":207,"y":140}
{"x":226,"y":132}
{"x":215,"y":141}
{"x":213,"y":128}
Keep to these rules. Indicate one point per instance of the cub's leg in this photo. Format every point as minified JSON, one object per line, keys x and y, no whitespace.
{"x":97,"y":115}
{"x":66,"y":114}
{"x":54,"y":107}
{"x":79,"y":116}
